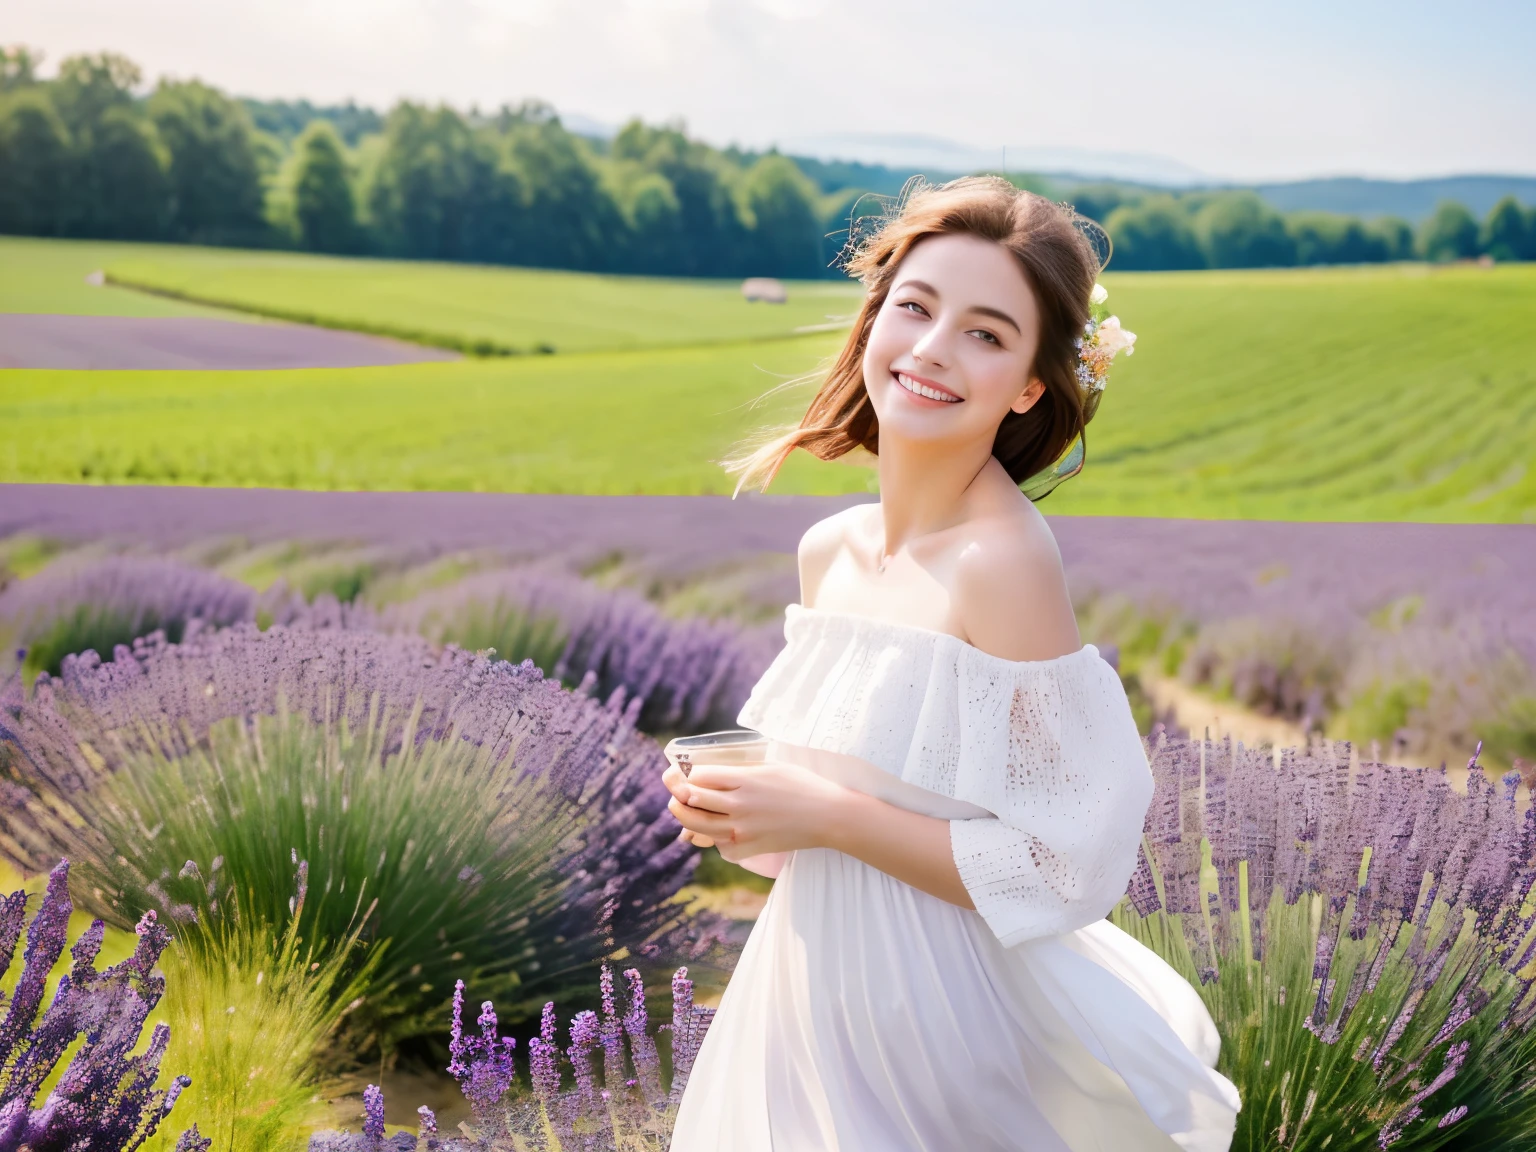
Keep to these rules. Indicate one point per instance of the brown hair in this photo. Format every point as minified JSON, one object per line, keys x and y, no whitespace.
{"x":1059,"y":263}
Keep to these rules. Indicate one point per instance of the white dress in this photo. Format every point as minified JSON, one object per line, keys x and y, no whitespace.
{"x":865,"y":1015}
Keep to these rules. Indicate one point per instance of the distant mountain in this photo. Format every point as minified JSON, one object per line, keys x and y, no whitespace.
{"x":587,"y":126}
{"x":1413,"y":200}
{"x":935,"y":157}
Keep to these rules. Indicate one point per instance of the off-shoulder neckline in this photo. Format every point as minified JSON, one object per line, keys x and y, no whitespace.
{"x":877,"y":624}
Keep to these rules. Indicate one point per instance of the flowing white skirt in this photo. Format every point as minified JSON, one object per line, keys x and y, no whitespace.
{"x":868,"y":1016}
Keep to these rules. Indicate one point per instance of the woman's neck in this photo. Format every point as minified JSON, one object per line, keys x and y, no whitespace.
{"x":923,"y":488}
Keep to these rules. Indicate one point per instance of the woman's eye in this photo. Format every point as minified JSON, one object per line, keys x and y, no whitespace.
{"x":986,"y":336}
{"x":914,"y":306}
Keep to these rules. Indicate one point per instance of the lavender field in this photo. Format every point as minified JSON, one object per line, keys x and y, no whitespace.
{"x":1420,"y":637}
{"x":373,"y":759}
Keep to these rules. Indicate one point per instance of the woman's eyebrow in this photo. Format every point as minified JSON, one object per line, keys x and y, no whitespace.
{"x":981,"y":309}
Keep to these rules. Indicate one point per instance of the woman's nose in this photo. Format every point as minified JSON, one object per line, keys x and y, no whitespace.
{"x":933,"y":348}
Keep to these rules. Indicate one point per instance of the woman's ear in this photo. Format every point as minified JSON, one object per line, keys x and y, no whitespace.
{"x":1027,"y":398}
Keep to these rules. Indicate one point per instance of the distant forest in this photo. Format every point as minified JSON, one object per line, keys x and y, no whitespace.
{"x":91,"y":153}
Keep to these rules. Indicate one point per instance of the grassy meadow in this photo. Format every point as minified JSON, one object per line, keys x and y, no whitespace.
{"x":480,"y":308}
{"x":1397,"y":392}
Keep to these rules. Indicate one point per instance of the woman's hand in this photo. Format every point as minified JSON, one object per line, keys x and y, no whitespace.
{"x":747,"y":811}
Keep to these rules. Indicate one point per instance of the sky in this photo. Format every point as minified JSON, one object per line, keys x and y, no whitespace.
{"x":1233,"y":91}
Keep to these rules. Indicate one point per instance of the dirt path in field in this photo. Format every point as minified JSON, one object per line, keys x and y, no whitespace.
{"x":191,"y":342}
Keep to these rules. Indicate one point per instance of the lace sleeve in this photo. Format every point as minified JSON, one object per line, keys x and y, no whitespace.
{"x":1051,"y":749}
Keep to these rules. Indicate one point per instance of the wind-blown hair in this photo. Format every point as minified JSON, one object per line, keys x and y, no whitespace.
{"x":1060,"y":264}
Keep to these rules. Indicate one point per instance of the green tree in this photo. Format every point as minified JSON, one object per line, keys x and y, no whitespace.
{"x":128,"y":183}
{"x":18,"y":67}
{"x":715,"y":240}
{"x":573,"y":221}
{"x":1097,"y":201}
{"x":1450,"y":234}
{"x":118,"y":185}
{"x":1505,"y":235}
{"x":785,"y":233}
{"x":1396,"y":236}
{"x":441,"y":190}
{"x":89,"y":86}
{"x":1153,"y":234}
{"x":1327,"y":238}
{"x":322,"y":192}
{"x":214,"y":172}
{"x":652,"y":216}
{"x":1238,"y":230}
{"x":35,"y":160}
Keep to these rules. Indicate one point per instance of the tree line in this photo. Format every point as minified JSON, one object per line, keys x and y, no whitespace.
{"x":1237,"y":229}
{"x":90,"y":153}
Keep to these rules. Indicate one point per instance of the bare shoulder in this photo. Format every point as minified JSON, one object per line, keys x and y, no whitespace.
{"x":820,"y":545}
{"x":1010,"y":592}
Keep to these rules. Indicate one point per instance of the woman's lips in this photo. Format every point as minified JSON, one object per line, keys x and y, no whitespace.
{"x":924,"y":389}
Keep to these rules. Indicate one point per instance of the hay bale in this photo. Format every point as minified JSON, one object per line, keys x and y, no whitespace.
{"x":764,"y":288}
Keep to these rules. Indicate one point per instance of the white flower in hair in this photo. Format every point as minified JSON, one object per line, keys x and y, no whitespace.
{"x":1115,"y":339}
{"x":1098,"y":295}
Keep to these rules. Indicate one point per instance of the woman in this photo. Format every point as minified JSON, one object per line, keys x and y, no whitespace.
{"x":955,"y":790}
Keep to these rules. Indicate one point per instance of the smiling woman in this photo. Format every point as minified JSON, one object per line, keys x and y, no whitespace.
{"x":954,"y":792}
{"x":1003,"y":327}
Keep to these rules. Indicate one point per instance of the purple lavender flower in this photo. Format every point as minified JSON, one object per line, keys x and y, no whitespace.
{"x":1457,"y":1113}
{"x":690,"y":675}
{"x":72,"y":607}
{"x":373,"y":1113}
{"x":105,"y":1096}
{"x":1399,"y":897}
{"x":627,"y":1113}
{"x":689,"y":1023}
{"x":481,"y":1064}
{"x":584,"y":1040}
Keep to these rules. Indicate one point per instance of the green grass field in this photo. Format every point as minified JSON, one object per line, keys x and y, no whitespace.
{"x":49,"y":276}
{"x":1390,"y":393}
{"x":464,"y":306}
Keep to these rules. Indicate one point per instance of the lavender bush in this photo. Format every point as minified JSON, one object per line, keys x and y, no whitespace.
{"x":1427,"y":685}
{"x":621,"y":1098}
{"x":1364,"y":936}
{"x":474,"y":814}
{"x":72,"y":607}
{"x":691,"y":675}
{"x":105,"y":1097}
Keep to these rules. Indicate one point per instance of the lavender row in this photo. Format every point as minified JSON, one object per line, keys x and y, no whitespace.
{"x":689,"y":675}
{"x":74,"y":605}
{"x":1209,"y":569}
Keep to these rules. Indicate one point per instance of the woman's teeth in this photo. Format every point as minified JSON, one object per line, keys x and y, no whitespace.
{"x":912,"y":385}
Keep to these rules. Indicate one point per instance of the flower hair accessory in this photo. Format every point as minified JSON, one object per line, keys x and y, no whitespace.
{"x":1101,"y":341}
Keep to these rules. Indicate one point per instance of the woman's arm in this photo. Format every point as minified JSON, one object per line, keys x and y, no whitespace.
{"x":779,"y":807}
{"x":907,"y":845}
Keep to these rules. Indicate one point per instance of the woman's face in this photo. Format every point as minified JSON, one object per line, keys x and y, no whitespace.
{"x":950,"y":350}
